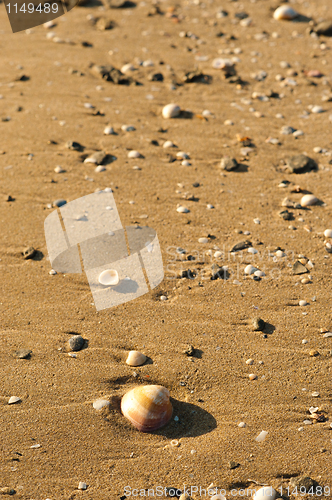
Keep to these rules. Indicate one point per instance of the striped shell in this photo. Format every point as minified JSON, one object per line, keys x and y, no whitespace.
{"x":147,"y":407}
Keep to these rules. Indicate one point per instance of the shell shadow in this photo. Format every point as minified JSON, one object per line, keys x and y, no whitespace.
{"x":193,"y":421}
{"x":127,"y":286}
{"x":302,"y":19}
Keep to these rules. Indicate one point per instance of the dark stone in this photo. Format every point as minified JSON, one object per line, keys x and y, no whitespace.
{"x":218,"y":272}
{"x":241,"y":15}
{"x":241,"y":246}
{"x":9,"y":198}
{"x":196,"y":76}
{"x":188,"y":274}
{"x":75,"y":146}
{"x":284,"y":214}
{"x":299,"y":268}
{"x":189,"y":350}
{"x":110,"y":74}
{"x":300,"y":164}
{"x":196,"y":184}
{"x":258,"y":324}
{"x":59,"y":203}
{"x":233,"y":465}
{"x":76,"y":343}
{"x":229,"y":164}
{"x":156,"y":77}
{"x":7,"y":491}
{"x":23,"y":353}
{"x":86,"y":44}
{"x":28,"y":253}
{"x":324,"y":28}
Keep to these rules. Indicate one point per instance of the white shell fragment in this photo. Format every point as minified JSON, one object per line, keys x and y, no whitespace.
{"x":135,"y":358}
{"x":100,"y":403}
{"x":266,"y":493}
{"x":128,"y":128}
{"x":183,"y":210}
{"x":222,"y":63}
{"x":109,"y":277}
{"x":250,"y":269}
{"x":261,"y":436}
{"x":285,"y":13}
{"x":134,"y":154}
{"x":303,"y":303}
{"x":308,"y":199}
{"x":82,"y":486}
{"x":14,"y":399}
{"x":127,"y":68}
{"x":108,"y":130}
{"x":328,"y":233}
{"x":171,"y":111}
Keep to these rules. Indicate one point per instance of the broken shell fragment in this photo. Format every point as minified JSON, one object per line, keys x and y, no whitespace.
{"x":171,"y":111}
{"x":147,"y":407}
{"x":136,"y":358}
{"x":285,"y":13}
{"x":266,"y":493}
{"x":308,"y":199}
{"x":109,"y":277}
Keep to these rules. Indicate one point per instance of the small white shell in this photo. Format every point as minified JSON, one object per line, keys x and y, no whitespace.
{"x":203,"y":240}
{"x":217,"y":254}
{"x":185,"y":163}
{"x":285,"y":13}
{"x":14,"y":399}
{"x":134,"y":154}
{"x":100,"y":403}
{"x":171,"y":111}
{"x":250,"y":269}
{"x":183,"y":210}
{"x":127,"y":68}
{"x":328,"y":233}
{"x":261,"y":436}
{"x":169,"y":144}
{"x":109,"y":277}
{"x":100,"y":168}
{"x":222,"y":63}
{"x":308,"y":199}
{"x":108,"y":130}
{"x":135,"y":358}
{"x":128,"y":128}
{"x":303,"y":303}
{"x":182,"y":155}
{"x":266,"y":493}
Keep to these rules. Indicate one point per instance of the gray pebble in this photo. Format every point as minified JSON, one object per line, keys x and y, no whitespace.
{"x":76,"y":343}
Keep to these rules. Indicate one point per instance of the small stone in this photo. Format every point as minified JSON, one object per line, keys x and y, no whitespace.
{"x":284,"y":214}
{"x":104,"y":24}
{"x":300,"y":164}
{"x":315,"y":394}
{"x":242,"y":425}
{"x":286,"y":130}
{"x":229,"y":164}
{"x":134,"y":154}
{"x":261,"y":436}
{"x":241,"y":246}
{"x":324,"y":28}
{"x":14,"y":399}
{"x":203,"y":240}
{"x":9,"y":198}
{"x":23,"y":354}
{"x":313,"y":353}
{"x":258,"y":324}
{"x":250,"y":362}
{"x":317,"y":109}
{"x":128,"y":128}
{"x":305,"y":281}
{"x":189,"y":350}
{"x":328,"y":233}
{"x":303,"y":303}
{"x":82,"y":485}
{"x":7,"y":491}
{"x":59,"y":170}
{"x":299,"y":268}
{"x":76,"y":343}
{"x":252,"y":376}
{"x":108,"y":130}
{"x":73,"y":145}
{"x":303,"y":481}
{"x":233,"y":465}
{"x":29,"y":253}
{"x":96,"y":158}
{"x":59,"y":203}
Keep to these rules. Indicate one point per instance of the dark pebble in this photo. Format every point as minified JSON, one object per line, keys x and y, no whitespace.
{"x":59,"y":203}
{"x":241,"y":246}
{"x":9,"y":198}
{"x":156,"y":77}
{"x":233,"y":465}
{"x":258,"y":324}
{"x":76,"y":343}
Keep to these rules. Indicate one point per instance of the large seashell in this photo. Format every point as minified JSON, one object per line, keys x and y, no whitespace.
{"x":147,"y":407}
{"x":136,"y":358}
{"x":171,"y":111}
{"x":285,"y":13}
{"x":109,"y":277}
{"x":266,"y":493}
